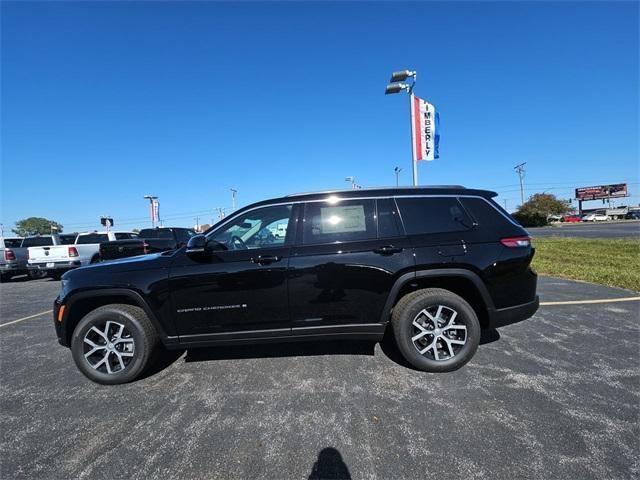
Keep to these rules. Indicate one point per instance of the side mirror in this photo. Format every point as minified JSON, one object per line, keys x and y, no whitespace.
{"x":197,"y":244}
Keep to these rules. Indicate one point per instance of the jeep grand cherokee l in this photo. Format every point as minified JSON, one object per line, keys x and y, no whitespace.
{"x":436,"y":265}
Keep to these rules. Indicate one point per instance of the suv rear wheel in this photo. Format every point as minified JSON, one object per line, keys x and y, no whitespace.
{"x":114,"y":344}
{"x":435,"y":330}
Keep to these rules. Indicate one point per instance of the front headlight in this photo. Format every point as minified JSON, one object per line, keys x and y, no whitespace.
{"x":64,"y":288}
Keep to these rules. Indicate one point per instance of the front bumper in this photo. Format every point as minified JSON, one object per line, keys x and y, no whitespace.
{"x":55,"y":266}
{"x":58,"y":325}
{"x":507,"y":316}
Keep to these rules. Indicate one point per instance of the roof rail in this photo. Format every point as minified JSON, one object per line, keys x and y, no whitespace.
{"x":347,"y":190}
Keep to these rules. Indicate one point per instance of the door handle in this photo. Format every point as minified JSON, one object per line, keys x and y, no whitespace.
{"x":387,"y":250}
{"x":265,"y":259}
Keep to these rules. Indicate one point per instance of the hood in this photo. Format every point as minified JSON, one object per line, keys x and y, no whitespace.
{"x":129,"y":264}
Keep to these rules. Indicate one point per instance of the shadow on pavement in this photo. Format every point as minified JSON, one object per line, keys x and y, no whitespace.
{"x":298,"y":349}
{"x":164,"y":358}
{"x":329,"y":466}
{"x":273,"y":350}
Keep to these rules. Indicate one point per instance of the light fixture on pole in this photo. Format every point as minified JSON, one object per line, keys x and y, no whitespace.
{"x":397,"y":170}
{"x":397,"y":85}
{"x":352,"y":180}
{"x":233,"y":198}
{"x":153,"y":208}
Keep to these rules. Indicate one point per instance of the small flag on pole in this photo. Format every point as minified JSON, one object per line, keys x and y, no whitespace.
{"x":425,"y":124}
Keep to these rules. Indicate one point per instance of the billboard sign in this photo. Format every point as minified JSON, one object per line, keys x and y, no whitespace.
{"x":602,"y":191}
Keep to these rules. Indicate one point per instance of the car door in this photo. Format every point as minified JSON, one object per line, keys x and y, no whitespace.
{"x":238,"y":288}
{"x":347,"y":257}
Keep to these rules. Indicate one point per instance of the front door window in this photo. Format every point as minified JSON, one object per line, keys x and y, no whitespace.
{"x":262,"y":228}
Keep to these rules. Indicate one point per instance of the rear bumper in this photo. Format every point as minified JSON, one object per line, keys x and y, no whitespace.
{"x":13,"y":267}
{"x":57,"y":266}
{"x":507,"y":316}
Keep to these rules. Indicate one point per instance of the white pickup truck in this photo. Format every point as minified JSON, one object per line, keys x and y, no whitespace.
{"x":57,"y":259}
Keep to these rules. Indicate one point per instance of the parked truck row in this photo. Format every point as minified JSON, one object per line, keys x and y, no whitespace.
{"x":52,"y":255}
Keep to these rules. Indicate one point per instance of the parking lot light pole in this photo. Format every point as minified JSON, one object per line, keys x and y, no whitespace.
{"x":152,"y":199}
{"x":397,"y":170}
{"x":397,"y":85}
{"x":233,"y":199}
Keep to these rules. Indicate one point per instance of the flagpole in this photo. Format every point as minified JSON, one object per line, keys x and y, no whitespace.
{"x":414,"y":164}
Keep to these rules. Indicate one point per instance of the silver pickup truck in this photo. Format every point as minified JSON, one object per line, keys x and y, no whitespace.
{"x":14,"y":254}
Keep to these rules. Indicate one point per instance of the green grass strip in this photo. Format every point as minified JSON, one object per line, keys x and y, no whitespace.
{"x":613,"y":262}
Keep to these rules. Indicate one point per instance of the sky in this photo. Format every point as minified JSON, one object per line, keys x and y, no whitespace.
{"x":104,"y":102}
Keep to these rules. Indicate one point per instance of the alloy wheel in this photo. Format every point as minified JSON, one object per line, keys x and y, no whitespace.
{"x":438,"y":333}
{"x":108,"y":348}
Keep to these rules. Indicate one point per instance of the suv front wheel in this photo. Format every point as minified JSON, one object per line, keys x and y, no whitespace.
{"x":114,"y":344}
{"x":435,"y":330}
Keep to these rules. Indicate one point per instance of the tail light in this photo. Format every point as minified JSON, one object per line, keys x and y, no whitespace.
{"x":515,"y":242}
{"x":73,"y":252}
{"x":145,"y":247}
{"x":9,"y":255}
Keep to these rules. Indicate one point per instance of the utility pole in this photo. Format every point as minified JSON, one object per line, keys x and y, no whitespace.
{"x":233,"y":199}
{"x":197,"y":219}
{"x":397,"y":170}
{"x":520,"y":171}
{"x":220,"y":213}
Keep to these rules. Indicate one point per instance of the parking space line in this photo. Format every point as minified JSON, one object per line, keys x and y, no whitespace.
{"x":25,"y":318}
{"x":587,"y":302}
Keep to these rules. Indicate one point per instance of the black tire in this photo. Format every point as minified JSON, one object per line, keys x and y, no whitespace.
{"x":95,"y":259}
{"x":35,"y":274}
{"x":408,"y":309}
{"x":141,"y":330}
{"x":56,"y":275}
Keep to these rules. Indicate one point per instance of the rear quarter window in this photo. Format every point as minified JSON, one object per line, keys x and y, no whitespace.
{"x":487,"y":215}
{"x":428,"y":215}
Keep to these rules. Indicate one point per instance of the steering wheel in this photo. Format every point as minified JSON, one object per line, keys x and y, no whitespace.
{"x":236,"y":241}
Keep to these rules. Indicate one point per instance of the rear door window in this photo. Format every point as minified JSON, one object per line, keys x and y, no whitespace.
{"x":429,"y":215}
{"x":343,"y":221}
{"x":388,"y":218}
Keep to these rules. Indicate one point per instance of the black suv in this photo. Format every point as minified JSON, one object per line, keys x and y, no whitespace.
{"x":431,"y":266}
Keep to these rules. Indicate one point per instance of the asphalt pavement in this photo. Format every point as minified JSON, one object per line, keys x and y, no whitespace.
{"x":556,"y":396}
{"x":626,"y":229}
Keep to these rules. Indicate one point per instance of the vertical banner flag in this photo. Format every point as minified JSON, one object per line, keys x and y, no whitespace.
{"x":425,"y":130}
{"x":155,"y":210}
